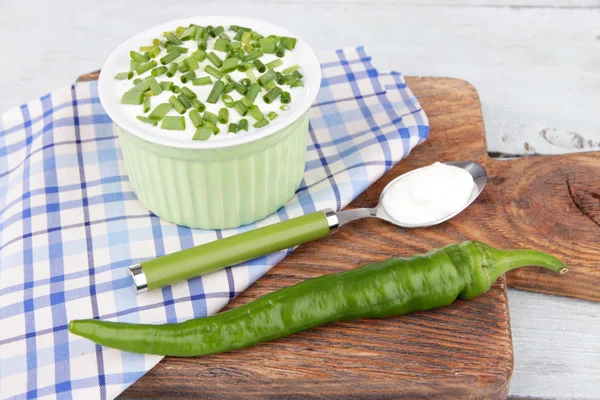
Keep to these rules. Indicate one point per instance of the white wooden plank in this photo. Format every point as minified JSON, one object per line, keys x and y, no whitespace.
{"x":556,"y":346}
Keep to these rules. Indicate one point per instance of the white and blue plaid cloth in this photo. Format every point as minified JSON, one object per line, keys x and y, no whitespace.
{"x":70,"y":223}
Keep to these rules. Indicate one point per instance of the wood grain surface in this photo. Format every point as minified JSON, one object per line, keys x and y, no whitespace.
{"x":460,"y":351}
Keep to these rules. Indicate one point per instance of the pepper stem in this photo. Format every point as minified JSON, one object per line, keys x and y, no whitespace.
{"x":498,"y":262}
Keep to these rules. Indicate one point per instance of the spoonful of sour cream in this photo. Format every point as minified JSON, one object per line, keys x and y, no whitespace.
{"x":428,"y":194}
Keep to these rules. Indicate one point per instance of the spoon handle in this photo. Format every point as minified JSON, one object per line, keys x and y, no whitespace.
{"x":219,"y":254}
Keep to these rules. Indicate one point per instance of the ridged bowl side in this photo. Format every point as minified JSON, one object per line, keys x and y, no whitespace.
{"x":217,"y":188}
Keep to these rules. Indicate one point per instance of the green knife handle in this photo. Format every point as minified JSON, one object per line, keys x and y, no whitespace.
{"x":219,"y":254}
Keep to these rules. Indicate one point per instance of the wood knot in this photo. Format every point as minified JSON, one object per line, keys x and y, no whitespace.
{"x":586,"y":199}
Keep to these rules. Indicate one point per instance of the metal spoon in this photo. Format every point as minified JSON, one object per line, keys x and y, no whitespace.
{"x":213,"y":256}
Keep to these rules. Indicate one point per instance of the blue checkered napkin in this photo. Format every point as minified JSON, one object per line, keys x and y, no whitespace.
{"x":70,"y":223}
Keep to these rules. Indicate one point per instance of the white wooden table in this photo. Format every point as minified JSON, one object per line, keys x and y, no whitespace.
{"x":535,"y":63}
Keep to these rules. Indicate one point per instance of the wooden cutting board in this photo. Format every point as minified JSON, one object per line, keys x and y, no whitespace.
{"x":464,"y":350}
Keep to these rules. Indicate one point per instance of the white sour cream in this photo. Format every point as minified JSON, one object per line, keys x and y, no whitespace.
{"x":428,"y":194}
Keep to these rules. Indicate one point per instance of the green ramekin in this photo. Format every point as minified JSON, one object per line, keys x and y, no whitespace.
{"x":214,"y":184}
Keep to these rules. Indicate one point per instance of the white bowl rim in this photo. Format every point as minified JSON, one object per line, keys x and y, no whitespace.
{"x":112,"y":106}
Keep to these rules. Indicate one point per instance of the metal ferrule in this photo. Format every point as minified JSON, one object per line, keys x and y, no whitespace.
{"x":332,"y":220}
{"x":139,"y":278}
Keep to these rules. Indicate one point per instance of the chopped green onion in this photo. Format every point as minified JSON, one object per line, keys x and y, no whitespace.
{"x":189,"y":33}
{"x":141,"y":58}
{"x":286,"y":98}
{"x":131,"y":97}
{"x":198,"y":105}
{"x":205,"y":80}
{"x":146,"y":104}
{"x":268,"y":45}
{"x":296,"y":84}
{"x":200,"y":33}
{"x":183,"y":99}
{"x":148,"y":93}
{"x":147,"y":120}
{"x":216,"y":31}
{"x":154,"y":86}
{"x":251,"y":75}
{"x":243,"y":125}
{"x":173,"y":123}
{"x":241,"y":89}
{"x":239,"y":107}
{"x":238,"y":35}
{"x":190,"y":94}
{"x":246,"y":102}
{"x":202,"y":134}
{"x":270,"y":85}
{"x":124,"y":75}
{"x":272,"y":95}
{"x":208,"y":116}
{"x":154,"y":52}
{"x":233,"y":46}
{"x":267,"y":77}
{"x":199,"y":55}
{"x":274,"y":64}
{"x":160,"y":111}
{"x":245,"y":67}
{"x":180,"y":108}
{"x":255,"y":113}
{"x":280,"y":50}
{"x":232,"y":128}
{"x":223,"y":115}
{"x":163,"y":44}
{"x":255,"y":54}
{"x":170,"y":56}
{"x":133,"y":64}
{"x":246,"y":82}
{"x":213,"y":58}
{"x":220,"y":45}
{"x":284,"y":107}
{"x":274,"y":37}
{"x":196,"y":118}
{"x":141,"y":86}
{"x":260,"y":67}
{"x":280,"y":79}
{"x":213,"y":71}
{"x":173,"y":39}
{"x":155,"y":41}
{"x":253,"y":91}
{"x":146,"y":48}
{"x":297,"y":74}
{"x":288,"y":42}
{"x":137,"y":80}
{"x":246,"y":37}
{"x":202,"y":44}
{"x":234,"y":28}
{"x":227,"y":100}
{"x":158,"y":71}
{"x":225,"y":36}
{"x":213,"y":126}
{"x":172,"y":70}
{"x":291,"y":69}
{"x":248,"y":48}
{"x":216,"y":92}
{"x":229,"y":65}
{"x":179,"y":31}
{"x":176,"y":89}
{"x":261,"y":123}
{"x":188,"y":76}
{"x":272,"y":115}
{"x":191,"y":63}
{"x":145,"y":67}
{"x":171,"y":47}
{"x":183,"y":68}
{"x":166,"y":85}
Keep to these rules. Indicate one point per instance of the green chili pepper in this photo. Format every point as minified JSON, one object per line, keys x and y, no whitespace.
{"x":393,"y":287}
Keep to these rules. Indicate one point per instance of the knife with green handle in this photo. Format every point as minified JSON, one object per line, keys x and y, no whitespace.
{"x":219,"y":254}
